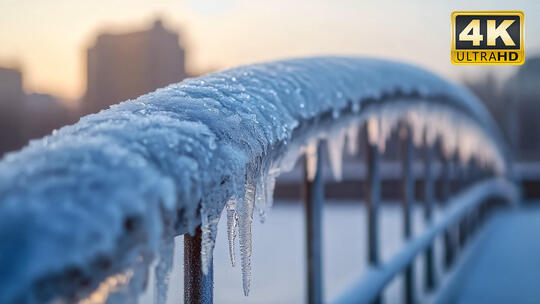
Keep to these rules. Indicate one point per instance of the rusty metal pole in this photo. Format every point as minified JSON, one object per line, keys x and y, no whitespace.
{"x":198,"y":287}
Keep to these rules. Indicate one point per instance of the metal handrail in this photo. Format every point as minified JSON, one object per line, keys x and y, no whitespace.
{"x":369,"y":288}
{"x":130,"y":139}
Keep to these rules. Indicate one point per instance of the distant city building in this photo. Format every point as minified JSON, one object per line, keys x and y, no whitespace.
{"x":516,"y":107}
{"x":11,"y":109}
{"x":43,"y":114}
{"x":523,"y":109}
{"x":125,"y":66}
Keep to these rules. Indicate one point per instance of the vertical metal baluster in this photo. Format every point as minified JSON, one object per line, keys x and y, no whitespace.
{"x":430,"y":279}
{"x":198,"y":287}
{"x":456,"y":229}
{"x":372,"y":199}
{"x":462,"y":231}
{"x":474,"y":213}
{"x":460,"y":169}
{"x":408,"y":201}
{"x":445,"y":180}
{"x":462,"y":226}
{"x":314,"y":198}
{"x":445,"y":191}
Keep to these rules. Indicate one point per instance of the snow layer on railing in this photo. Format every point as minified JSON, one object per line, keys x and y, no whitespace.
{"x":110,"y":188}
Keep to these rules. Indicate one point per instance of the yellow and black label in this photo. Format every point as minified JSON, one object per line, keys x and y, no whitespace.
{"x":487,"y":37}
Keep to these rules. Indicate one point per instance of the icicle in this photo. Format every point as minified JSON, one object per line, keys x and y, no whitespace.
{"x":245,"y":218}
{"x":373,"y":130}
{"x":334,"y":145}
{"x":416,"y":124}
{"x":260,"y":197}
{"x":311,"y":159}
{"x":232,"y":224}
{"x":384,"y":126}
{"x":356,"y":106}
{"x":270,"y":186}
{"x":431,"y":132}
{"x":162,"y":271}
{"x":352,"y":139}
{"x":209,"y":233}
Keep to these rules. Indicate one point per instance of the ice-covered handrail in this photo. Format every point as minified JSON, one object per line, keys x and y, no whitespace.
{"x":97,"y":197}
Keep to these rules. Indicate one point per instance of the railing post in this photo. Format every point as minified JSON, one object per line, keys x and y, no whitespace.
{"x":198,"y":287}
{"x":372,"y":199}
{"x":408,"y":201}
{"x":463,"y":231}
{"x":445,"y":180}
{"x":457,"y":229}
{"x":314,"y":198}
{"x":430,"y":279}
{"x":445,"y":196}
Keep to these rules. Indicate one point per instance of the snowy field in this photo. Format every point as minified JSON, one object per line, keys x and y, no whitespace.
{"x":278,"y":255}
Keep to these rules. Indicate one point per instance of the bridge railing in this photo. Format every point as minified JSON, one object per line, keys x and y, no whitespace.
{"x":466,"y":200}
{"x":85,"y":211}
{"x":461,"y":217}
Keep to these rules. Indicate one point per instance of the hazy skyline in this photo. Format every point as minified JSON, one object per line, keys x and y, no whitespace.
{"x":49,"y":39}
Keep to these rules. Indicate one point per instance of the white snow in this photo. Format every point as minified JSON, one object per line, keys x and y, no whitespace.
{"x":174,"y":158}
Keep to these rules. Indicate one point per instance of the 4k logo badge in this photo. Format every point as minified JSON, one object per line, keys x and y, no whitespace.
{"x":487,"y":37}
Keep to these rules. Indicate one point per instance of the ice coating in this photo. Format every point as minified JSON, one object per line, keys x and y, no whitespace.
{"x":109,"y":186}
{"x":163,"y":270}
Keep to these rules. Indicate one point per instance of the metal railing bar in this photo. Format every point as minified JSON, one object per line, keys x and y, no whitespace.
{"x":313,"y":202}
{"x":373,"y":197}
{"x":198,"y":287}
{"x":446,"y":294}
{"x":462,"y":232}
{"x":368,"y":288}
{"x":429,"y":197}
{"x":445,"y":195}
{"x":448,"y":248}
{"x":407,"y":184}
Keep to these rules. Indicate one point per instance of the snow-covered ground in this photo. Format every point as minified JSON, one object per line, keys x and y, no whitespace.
{"x":278,"y":255}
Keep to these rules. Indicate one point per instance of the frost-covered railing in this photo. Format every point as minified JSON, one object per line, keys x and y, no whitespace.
{"x":84,"y":212}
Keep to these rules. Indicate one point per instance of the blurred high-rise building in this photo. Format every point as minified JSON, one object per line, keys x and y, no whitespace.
{"x":516,"y":106}
{"x":11,"y":109}
{"x":44,"y":113}
{"x":125,"y":66}
{"x":523,"y":109}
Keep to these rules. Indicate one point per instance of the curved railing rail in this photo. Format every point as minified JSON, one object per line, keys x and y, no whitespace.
{"x":467,"y":209}
{"x":89,"y":207}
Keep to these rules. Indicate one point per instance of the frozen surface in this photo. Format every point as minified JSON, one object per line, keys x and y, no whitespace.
{"x":110,"y":188}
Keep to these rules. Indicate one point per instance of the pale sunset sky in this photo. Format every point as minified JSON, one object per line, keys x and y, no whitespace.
{"x":47,"y":40}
